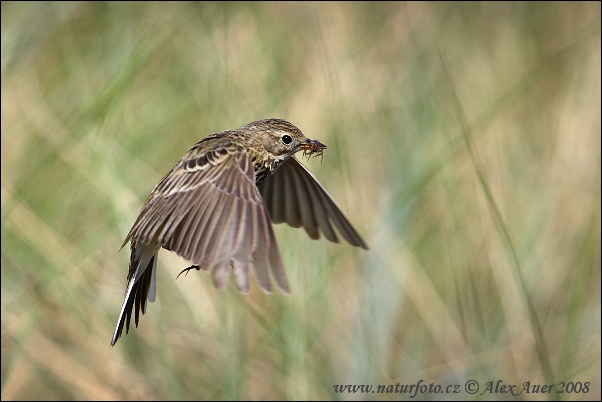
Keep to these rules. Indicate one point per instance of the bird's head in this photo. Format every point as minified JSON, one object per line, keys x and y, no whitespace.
{"x":275,"y":140}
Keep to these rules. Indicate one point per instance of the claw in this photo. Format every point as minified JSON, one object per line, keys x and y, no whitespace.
{"x":197,"y":267}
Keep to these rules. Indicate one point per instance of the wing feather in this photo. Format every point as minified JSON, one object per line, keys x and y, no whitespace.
{"x":302,"y":191}
{"x":208,"y":210}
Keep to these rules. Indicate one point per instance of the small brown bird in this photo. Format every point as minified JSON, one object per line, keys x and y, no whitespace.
{"x":215,"y":208}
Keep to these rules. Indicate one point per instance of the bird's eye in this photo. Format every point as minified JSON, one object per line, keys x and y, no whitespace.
{"x":286,"y":139}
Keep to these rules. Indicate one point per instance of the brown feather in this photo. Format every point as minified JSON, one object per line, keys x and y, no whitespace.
{"x":216,"y":206}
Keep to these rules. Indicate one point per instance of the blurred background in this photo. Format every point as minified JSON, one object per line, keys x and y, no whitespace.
{"x":463,"y":143}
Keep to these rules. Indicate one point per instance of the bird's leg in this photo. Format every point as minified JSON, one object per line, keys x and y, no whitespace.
{"x":197,"y":267}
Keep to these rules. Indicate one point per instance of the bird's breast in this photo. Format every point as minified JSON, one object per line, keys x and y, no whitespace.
{"x":264,"y":166}
{"x":261,"y":173}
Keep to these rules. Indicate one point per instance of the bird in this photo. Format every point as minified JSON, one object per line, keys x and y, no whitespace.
{"x":216,"y":207}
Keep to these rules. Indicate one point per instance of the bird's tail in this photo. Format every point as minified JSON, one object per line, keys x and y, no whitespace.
{"x":140,"y":287}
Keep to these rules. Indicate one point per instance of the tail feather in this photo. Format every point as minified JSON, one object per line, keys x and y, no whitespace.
{"x":140,"y":288}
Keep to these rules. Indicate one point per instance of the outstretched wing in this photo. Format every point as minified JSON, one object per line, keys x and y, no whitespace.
{"x":208,"y":210}
{"x":293,"y":195}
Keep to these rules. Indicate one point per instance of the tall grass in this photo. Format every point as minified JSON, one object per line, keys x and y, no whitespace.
{"x":463,"y":143}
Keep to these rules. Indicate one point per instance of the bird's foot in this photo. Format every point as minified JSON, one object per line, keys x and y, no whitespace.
{"x":197,"y":267}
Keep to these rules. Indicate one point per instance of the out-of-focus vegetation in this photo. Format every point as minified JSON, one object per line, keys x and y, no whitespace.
{"x":463,"y":143}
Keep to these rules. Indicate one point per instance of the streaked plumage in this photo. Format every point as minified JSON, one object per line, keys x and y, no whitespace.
{"x":216,"y":206}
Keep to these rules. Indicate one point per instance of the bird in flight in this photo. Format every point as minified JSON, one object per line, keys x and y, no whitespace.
{"x":216,"y":207}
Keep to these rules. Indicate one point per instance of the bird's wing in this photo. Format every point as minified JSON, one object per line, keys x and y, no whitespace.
{"x":293,"y":195}
{"x":208,"y":210}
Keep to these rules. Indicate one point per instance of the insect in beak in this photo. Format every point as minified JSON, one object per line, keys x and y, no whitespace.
{"x":312,"y":147}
